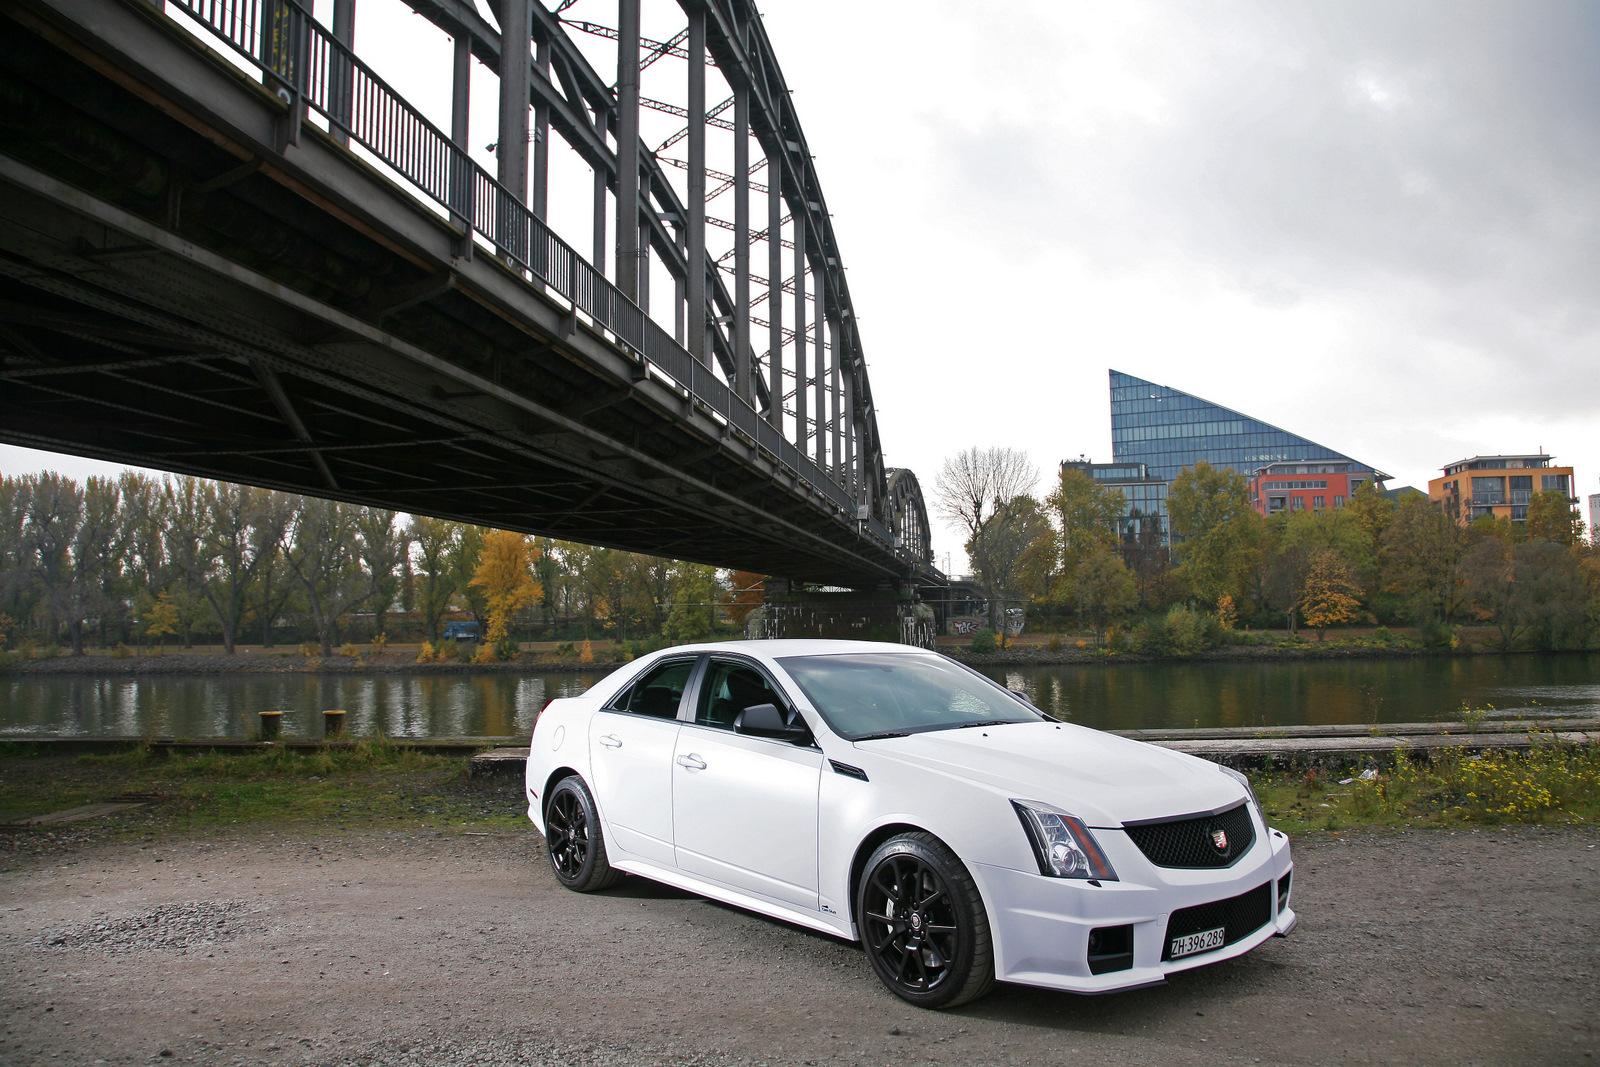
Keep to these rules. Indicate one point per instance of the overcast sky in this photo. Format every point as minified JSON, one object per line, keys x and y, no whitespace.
{"x":1373,"y":224}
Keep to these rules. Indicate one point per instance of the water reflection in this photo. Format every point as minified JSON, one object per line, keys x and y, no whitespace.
{"x":1127,"y":696}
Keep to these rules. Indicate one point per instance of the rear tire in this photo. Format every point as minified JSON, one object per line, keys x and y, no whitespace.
{"x":923,"y":924}
{"x":573,"y":841}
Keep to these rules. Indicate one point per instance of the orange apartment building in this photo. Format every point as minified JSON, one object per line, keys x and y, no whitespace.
{"x":1308,"y":486}
{"x":1500,"y":486}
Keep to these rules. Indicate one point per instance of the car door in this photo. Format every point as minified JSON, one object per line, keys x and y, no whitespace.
{"x":631,"y":746}
{"x":744,"y":809}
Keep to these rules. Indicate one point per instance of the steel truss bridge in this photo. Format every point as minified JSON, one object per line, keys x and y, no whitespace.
{"x":228,"y":247}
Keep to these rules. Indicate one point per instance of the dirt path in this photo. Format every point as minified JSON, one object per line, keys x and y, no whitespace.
{"x":440,"y":948}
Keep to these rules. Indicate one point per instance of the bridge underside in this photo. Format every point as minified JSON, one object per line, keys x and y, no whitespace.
{"x":191,"y":280}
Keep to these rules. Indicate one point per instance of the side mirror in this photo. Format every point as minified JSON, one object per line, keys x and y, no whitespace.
{"x":765,"y":720}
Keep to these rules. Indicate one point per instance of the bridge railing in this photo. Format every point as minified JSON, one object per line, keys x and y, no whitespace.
{"x":297,"y":53}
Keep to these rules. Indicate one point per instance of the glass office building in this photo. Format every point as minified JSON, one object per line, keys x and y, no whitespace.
{"x":1145,"y":497}
{"x":1165,"y":430}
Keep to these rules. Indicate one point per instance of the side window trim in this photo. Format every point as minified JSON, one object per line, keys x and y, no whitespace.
{"x":625,"y":695}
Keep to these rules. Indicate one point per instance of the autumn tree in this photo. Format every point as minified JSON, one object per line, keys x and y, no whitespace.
{"x":505,"y":578}
{"x":1082,"y":520}
{"x":747,"y":591}
{"x":161,"y":618}
{"x":1330,"y":592}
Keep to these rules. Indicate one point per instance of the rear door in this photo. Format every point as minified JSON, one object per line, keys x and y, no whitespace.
{"x":631,"y":746}
{"x":745,"y":808}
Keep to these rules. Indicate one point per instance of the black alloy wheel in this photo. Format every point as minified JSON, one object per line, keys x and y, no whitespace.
{"x":923,"y":924}
{"x":573,"y":840}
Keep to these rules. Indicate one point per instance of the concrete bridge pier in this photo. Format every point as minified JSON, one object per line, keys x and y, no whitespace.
{"x":888,"y":612}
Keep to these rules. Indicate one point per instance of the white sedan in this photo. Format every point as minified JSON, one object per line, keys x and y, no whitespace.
{"x":889,"y":795}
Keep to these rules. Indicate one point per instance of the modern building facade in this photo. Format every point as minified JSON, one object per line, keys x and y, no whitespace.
{"x":1280,"y":487}
{"x":1498,"y":486}
{"x":1163,"y":430}
{"x":1145,"y":497}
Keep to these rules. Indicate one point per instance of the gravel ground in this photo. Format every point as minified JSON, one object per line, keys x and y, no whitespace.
{"x":442,"y":948}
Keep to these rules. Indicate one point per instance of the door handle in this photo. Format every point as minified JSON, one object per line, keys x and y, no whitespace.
{"x":692,"y":762}
{"x":611,"y":740}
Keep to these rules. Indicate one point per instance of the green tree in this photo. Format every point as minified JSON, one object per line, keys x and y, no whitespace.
{"x":1218,"y":533}
{"x":1551,"y":517}
{"x":323,"y":556}
{"x":435,"y":541}
{"x":695,"y":595}
{"x":1418,"y":556}
{"x":1103,"y":589}
{"x":999,"y":550}
{"x":1372,"y":511}
{"x":382,"y":548}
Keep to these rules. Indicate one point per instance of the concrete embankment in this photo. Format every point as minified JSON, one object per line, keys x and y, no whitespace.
{"x":1247,"y":746}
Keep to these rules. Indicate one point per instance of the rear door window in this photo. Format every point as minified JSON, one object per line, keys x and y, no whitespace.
{"x":658,"y":693}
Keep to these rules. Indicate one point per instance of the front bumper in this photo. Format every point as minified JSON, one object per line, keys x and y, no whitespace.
{"x":1041,"y":926}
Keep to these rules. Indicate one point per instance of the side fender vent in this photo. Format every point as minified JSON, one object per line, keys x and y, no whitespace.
{"x":847,"y":770}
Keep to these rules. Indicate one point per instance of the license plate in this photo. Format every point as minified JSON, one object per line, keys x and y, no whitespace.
{"x":1189,"y":944}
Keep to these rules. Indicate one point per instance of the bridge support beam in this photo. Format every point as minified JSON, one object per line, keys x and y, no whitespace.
{"x":775,"y":296}
{"x":629,"y":247}
{"x":889,"y":612}
{"x":511,"y":149}
{"x":802,"y":385}
{"x":540,"y":204}
{"x":696,"y":256}
{"x":819,"y":348}
{"x":344,"y":31}
{"x":744,"y":358}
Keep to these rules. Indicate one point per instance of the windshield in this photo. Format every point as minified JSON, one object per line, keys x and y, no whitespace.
{"x":873,"y":694}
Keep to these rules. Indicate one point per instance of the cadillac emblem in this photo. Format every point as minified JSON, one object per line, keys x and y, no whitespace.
{"x":1219,"y":838}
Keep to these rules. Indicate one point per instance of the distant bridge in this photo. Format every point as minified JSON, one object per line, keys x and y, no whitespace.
{"x":229,"y":248}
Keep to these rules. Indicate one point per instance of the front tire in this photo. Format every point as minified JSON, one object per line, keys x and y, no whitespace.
{"x":573,"y":840}
{"x":923,"y":924}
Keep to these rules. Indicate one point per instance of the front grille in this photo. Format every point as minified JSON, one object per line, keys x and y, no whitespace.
{"x":1190,"y":842}
{"x":1238,"y":916}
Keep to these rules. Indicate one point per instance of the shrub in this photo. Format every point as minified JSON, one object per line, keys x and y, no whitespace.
{"x":426,"y":654}
{"x":1436,"y":634}
{"x":349,"y":651}
{"x":379,"y":643}
{"x":1150,"y":638}
{"x":121,"y":651}
{"x":1054,"y":644}
{"x":982,"y":641}
{"x":308,"y":650}
{"x":1187,"y":630}
{"x":586,"y":652}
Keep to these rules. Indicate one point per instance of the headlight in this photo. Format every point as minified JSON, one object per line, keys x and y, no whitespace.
{"x":1242,"y":780}
{"x":1063,"y":846}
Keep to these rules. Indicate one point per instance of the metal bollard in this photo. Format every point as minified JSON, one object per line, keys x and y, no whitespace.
{"x":271,"y":725}
{"x":333,"y":723}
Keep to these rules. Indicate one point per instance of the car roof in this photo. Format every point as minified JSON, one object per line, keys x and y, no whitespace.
{"x":780,"y":648}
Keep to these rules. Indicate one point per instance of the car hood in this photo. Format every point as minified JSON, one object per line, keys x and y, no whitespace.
{"x":1103,"y":779}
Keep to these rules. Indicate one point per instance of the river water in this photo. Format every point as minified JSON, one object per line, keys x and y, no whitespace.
{"x":1126,"y":696}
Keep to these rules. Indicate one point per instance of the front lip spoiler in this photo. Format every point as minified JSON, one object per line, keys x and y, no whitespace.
{"x":1289,"y":929}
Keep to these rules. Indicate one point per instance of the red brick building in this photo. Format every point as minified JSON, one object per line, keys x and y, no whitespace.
{"x":1308,"y":486}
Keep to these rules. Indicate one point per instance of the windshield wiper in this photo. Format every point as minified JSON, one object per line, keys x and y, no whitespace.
{"x":987,"y":722}
{"x":881,"y":736}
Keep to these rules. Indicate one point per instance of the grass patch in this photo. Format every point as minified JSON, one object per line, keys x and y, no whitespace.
{"x":1554,"y":782}
{"x":372,"y":784}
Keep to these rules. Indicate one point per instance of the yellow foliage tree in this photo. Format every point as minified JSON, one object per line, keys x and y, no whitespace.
{"x":1227,"y":613}
{"x":1330,"y":595}
{"x":505,"y":578}
{"x":161,"y":618}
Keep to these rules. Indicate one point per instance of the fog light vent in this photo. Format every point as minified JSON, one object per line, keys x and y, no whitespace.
{"x":1110,"y":949}
{"x":1283,"y":892}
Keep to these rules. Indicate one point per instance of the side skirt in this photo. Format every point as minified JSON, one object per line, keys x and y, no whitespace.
{"x":678,"y":880}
